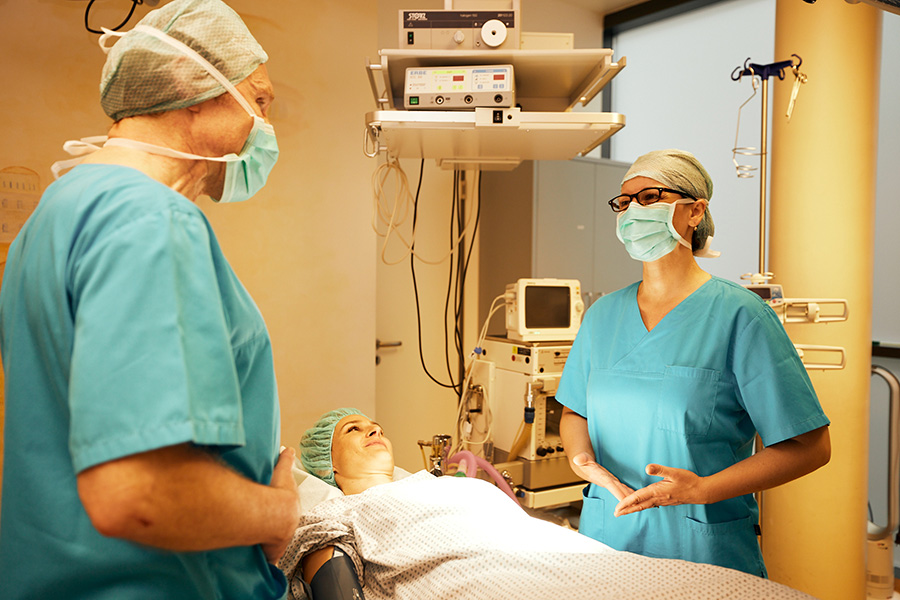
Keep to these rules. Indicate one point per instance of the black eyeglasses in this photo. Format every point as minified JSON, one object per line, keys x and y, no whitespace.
{"x":645,"y":197}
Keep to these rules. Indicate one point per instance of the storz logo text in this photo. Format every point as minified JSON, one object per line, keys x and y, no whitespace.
{"x":416,"y":16}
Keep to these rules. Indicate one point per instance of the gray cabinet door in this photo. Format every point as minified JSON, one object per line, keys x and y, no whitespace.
{"x":574,"y":228}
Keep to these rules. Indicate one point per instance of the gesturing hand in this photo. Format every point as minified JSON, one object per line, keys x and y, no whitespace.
{"x":594,"y":473}
{"x":678,"y":486}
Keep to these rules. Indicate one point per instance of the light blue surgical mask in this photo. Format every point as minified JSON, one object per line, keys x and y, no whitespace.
{"x":245,"y":173}
{"x":648,"y":232}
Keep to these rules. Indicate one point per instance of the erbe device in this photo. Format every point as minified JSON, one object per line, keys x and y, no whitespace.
{"x":458,"y":30}
{"x":449,"y":88}
{"x":543,"y":309}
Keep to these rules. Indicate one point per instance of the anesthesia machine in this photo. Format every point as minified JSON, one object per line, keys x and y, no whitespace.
{"x":517,"y":375}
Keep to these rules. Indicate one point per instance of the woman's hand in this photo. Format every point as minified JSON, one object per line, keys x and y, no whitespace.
{"x":593,"y":472}
{"x":678,"y":486}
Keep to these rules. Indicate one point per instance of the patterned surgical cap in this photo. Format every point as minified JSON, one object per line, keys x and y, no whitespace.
{"x":145,"y":75}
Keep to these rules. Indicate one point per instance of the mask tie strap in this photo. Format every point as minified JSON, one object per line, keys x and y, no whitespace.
{"x":108,"y":33}
{"x":79,"y":149}
{"x":163,"y":151}
{"x":83,"y":146}
{"x":671,"y":226}
{"x":706,"y":252}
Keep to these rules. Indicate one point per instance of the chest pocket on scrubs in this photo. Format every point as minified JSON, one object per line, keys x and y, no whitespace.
{"x":687,"y":400}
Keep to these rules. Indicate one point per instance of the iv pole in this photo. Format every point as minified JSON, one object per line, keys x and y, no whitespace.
{"x":763,"y":72}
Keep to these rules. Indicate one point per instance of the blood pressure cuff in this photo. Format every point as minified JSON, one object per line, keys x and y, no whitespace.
{"x":335,"y":580}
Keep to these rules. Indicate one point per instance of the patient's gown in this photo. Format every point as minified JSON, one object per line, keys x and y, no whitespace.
{"x":451,"y":537}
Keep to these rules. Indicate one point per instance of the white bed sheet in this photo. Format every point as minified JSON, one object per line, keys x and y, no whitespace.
{"x":451,"y":538}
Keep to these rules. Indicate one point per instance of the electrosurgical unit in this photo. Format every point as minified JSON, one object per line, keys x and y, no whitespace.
{"x":461,"y":87}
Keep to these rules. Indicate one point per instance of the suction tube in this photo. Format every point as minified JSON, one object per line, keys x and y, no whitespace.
{"x":467,"y":458}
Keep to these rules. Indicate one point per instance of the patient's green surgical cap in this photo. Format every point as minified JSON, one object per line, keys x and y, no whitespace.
{"x":315,"y":445}
{"x":145,"y":75}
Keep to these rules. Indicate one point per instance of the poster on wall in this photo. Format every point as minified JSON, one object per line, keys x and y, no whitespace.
{"x":19,"y":195}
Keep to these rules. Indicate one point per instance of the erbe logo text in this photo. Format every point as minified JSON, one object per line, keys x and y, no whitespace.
{"x":416,"y":16}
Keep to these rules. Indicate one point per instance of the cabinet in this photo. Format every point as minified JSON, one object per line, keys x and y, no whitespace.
{"x":551,"y":219}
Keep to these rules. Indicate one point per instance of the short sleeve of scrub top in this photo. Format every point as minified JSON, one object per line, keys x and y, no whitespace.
{"x":152,"y":363}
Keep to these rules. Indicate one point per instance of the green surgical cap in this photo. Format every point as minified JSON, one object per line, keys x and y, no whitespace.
{"x":315,"y":445}
{"x":679,"y":170}
{"x":145,"y":75}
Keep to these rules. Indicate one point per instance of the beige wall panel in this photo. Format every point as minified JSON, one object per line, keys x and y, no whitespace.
{"x":821,"y":223}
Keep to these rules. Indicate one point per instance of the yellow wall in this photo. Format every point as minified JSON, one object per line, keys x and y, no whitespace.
{"x":303,"y":247}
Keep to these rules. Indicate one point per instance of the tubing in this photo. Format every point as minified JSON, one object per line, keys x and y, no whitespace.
{"x":468,"y":457}
{"x":521,"y":438}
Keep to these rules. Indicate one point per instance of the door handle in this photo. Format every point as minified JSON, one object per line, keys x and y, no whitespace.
{"x":379,"y":345}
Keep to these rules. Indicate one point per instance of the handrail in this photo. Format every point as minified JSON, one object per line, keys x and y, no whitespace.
{"x":877,"y":533}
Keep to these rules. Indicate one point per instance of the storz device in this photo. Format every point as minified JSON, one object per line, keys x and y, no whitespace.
{"x":459,"y":30}
{"x":454,"y":88}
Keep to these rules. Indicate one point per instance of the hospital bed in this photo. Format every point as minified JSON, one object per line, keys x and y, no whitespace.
{"x":450,"y":537}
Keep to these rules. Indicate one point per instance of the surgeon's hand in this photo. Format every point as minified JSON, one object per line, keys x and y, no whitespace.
{"x":593,"y":472}
{"x":283,"y":479}
{"x":678,"y":486}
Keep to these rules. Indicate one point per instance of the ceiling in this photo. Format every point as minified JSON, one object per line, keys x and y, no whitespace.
{"x":604,"y":7}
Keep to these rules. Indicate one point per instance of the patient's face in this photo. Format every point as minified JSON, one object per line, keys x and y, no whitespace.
{"x":359,"y":448}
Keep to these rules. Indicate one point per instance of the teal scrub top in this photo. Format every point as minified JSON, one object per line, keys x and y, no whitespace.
{"x":123,"y":329}
{"x":691,"y":393}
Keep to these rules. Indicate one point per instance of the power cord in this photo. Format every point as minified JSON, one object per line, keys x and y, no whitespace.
{"x":412,"y":266}
{"x":87,"y":11}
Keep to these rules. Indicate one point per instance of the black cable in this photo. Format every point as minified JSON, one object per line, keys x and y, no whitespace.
{"x":87,"y":11}
{"x":412,"y":265}
{"x":465,"y":269}
{"x":450,"y":277}
{"x":459,"y":283}
{"x":460,"y":287}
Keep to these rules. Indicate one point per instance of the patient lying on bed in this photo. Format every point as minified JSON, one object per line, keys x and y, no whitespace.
{"x":455,"y":537}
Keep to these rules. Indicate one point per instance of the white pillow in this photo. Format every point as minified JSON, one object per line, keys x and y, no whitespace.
{"x":313,"y":490}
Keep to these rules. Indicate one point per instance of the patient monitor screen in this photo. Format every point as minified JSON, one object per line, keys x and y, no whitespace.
{"x":547,"y":306}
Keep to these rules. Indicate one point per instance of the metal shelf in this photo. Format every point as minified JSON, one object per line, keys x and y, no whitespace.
{"x":470,"y":139}
{"x":546,"y":80}
{"x":549,"y":84}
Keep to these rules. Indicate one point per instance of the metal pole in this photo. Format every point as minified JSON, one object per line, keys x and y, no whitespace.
{"x":762,"y":175}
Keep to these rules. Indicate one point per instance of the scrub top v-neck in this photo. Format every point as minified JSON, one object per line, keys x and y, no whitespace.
{"x":690,"y":393}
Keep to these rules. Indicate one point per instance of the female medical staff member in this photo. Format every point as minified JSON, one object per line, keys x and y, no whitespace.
{"x":669,"y":381}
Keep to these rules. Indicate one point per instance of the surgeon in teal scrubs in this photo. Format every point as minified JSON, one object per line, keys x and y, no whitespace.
{"x":669,"y":381}
{"x":142,"y":455}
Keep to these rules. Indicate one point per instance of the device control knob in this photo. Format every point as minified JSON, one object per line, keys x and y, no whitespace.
{"x":579,"y":306}
{"x":493,"y":32}
{"x":541,"y":451}
{"x":560,"y":448}
{"x":459,"y":37}
{"x":550,"y":450}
